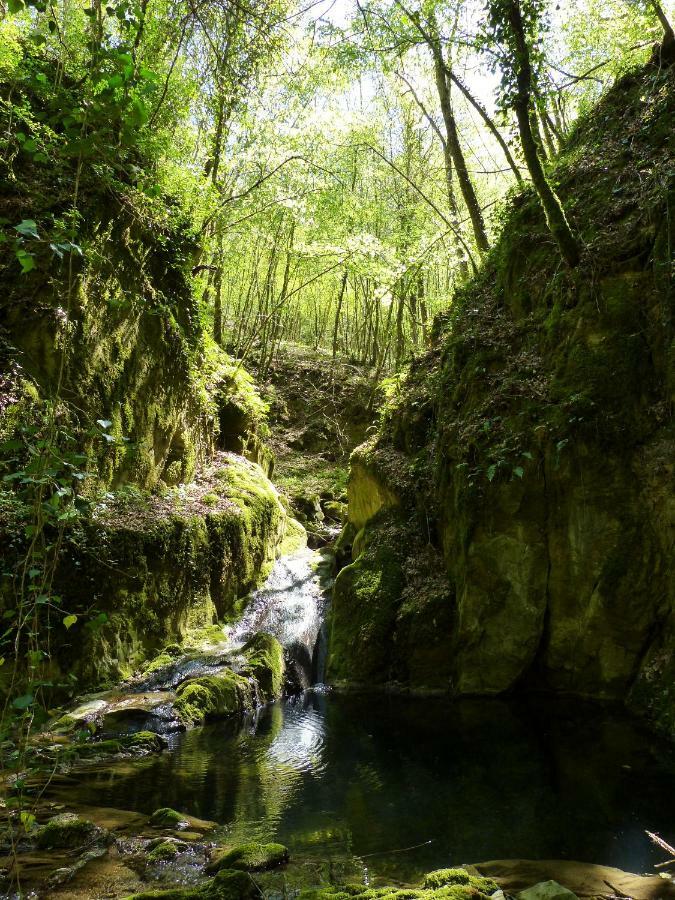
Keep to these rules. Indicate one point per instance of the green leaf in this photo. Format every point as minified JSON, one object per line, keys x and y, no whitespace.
{"x":519,"y":471}
{"x":491,"y":472}
{"x":26,"y":261}
{"x":15,"y":6}
{"x":28,"y":820}
{"x":69,"y":621}
{"x":22,"y":702}
{"x":27,"y":227}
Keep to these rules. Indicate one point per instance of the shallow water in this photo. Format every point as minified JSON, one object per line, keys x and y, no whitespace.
{"x":338,"y":776}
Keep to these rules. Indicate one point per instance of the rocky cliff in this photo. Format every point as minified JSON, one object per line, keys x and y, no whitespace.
{"x":130,"y":443}
{"x":515,"y":512}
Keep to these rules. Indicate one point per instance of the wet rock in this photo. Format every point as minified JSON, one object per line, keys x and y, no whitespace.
{"x":163,"y":851}
{"x":547,"y":890}
{"x":213,"y":696}
{"x":265,"y":662}
{"x":165,"y":817}
{"x":253,"y":857}
{"x":68,"y":831}
{"x":227,"y":885}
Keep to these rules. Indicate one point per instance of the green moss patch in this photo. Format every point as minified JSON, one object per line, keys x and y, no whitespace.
{"x":213,"y":696}
{"x":67,"y":832}
{"x":251,"y":857}
{"x":265,"y":662}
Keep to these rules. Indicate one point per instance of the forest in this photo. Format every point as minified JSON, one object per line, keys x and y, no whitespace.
{"x":337,"y":449}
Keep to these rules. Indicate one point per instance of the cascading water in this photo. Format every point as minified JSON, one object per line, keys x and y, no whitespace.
{"x":291,"y":606}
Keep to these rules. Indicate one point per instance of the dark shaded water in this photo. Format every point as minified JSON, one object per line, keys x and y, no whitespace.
{"x":342,"y":775}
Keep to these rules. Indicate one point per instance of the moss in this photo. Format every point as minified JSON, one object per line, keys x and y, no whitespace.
{"x":166,"y":817}
{"x":265,"y":661}
{"x":67,"y":831}
{"x":163,"y":852}
{"x":144,"y":742}
{"x":227,"y":885}
{"x":251,"y":857}
{"x":294,"y":539}
{"x":366,"y":599}
{"x":165,"y":658}
{"x":446,"y":877}
{"x":212,"y":696}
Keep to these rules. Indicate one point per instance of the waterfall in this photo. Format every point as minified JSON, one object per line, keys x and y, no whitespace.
{"x":291,"y":605}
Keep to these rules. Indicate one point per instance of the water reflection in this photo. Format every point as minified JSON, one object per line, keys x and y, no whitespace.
{"x":331,"y":775}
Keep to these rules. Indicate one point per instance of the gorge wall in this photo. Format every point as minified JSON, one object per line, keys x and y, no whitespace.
{"x":113,"y":392}
{"x":513,"y":518}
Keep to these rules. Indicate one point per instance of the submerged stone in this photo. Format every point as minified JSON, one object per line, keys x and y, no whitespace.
{"x":547,"y":890}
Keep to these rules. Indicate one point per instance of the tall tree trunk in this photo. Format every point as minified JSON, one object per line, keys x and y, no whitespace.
{"x":555,"y":214}
{"x":455,"y":148}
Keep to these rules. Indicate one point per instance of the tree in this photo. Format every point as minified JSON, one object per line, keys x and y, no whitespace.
{"x":514,"y":25}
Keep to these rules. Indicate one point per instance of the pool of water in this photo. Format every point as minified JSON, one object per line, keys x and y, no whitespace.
{"x":372,"y":776}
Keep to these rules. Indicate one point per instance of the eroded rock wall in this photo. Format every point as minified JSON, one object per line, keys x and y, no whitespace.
{"x":530,"y":452}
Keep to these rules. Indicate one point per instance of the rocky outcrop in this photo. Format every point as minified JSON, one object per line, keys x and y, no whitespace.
{"x":530,"y":452}
{"x":156,"y":437}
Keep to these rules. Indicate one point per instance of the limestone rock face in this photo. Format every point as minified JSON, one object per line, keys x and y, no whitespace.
{"x":526,"y":464}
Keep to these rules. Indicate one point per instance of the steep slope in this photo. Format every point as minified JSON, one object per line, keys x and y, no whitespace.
{"x":516,"y":508}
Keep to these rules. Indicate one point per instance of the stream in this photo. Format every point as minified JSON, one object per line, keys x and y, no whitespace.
{"x":403,"y":785}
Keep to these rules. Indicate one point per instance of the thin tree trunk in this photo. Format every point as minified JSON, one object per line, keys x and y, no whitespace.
{"x":555,"y":214}
{"x":455,"y":147}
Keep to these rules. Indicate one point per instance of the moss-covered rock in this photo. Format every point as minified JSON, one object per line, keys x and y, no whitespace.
{"x":165,"y":817}
{"x":213,"y":696}
{"x":227,"y":885}
{"x":529,"y":452}
{"x":67,"y":832}
{"x":265,"y":663}
{"x":163,"y":852}
{"x":253,"y":857}
{"x":444,"y":877}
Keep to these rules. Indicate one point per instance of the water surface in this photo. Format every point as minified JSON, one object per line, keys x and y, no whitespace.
{"x":370,"y":776}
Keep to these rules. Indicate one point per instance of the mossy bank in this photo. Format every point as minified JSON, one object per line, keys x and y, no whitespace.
{"x":515,"y":509}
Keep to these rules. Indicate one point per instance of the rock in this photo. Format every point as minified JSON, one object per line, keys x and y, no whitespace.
{"x":227,"y":885}
{"x":67,"y":832}
{"x":168,"y":818}
{"x":307,"y":508}
{"x":265,"y":662}
{"x":163,"y":852}
{"x":213,"y":696}
{"x":251,"y":857}
{"x":547,"y":890}
{"x":445,"y":877}
{"x":165,"y":817}
{"x":335,"y":511}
